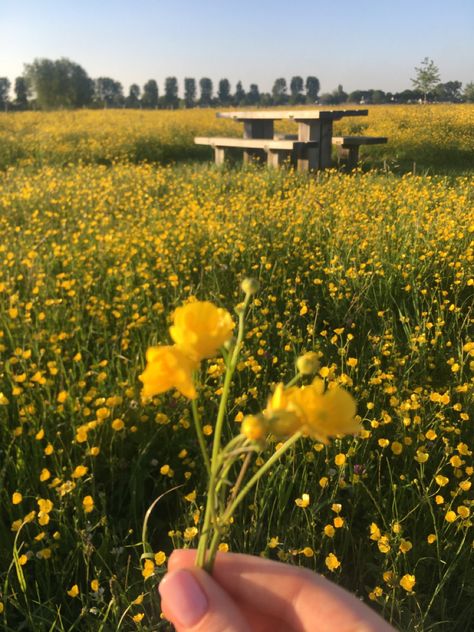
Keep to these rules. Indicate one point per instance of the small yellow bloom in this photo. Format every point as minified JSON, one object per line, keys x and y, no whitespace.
{"x":200,"y":329}
{"x":160,"y":558}
{"x":95,"y":585}
{"x":73,"y":591}
{"x":303,"y":501}
{"x":80,"y":471}
{"x":383,"y":544}
{"x":332,"y":562}
{"x":138,"y":617}
{"x":118,"y":425}
{"x":88,"y":504}
{"x":407,"y":582}
{"x":405,"y":546}
{"x":450,"y":516}
{"x":148,"y":569}
{"x":168,"y":367}
{"x":254,"y":427}
{"x":17,"y":498}
{"x":329,"y":531}
{"x":308,"y":363}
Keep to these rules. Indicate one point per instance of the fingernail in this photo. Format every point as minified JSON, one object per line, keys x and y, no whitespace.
{"x":184,"y":600}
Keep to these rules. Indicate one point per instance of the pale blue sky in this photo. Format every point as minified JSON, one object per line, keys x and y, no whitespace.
{"x":361,"y":44}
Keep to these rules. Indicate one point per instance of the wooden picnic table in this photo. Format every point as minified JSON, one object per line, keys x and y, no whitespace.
{"x":313,"y":125}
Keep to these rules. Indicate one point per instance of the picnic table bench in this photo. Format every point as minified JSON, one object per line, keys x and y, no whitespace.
{"x":310,"y":148}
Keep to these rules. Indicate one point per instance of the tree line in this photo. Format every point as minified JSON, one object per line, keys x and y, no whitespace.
{"x":56,"y":84}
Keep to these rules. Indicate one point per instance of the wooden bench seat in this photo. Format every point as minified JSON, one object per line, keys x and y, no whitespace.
{"x":275,"y":149}
{"x":348,"y":147}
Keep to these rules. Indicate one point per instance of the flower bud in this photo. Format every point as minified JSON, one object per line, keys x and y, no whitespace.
{"x":308,"y":363}
{"x":283,"y":423}
{"x":250,"y":286}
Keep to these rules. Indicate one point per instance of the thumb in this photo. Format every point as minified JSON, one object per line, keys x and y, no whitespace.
{"x":194,"y":602}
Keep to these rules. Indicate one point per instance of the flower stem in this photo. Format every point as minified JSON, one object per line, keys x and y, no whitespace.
{"x":209,"y":515}
{"x":238,"y":499}
{"x":200,"y":436}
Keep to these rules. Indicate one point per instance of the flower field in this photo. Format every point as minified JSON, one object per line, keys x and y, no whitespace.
{"x":102,"y":239}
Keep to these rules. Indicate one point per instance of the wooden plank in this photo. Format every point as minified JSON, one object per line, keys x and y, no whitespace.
{"x":245,"y":143}
{"x":297,"y":115}
{"x":359,"y":140}
{"x":219,"y":155}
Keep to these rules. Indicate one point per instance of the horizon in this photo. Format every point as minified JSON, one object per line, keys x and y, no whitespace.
{"x":357,"y":47}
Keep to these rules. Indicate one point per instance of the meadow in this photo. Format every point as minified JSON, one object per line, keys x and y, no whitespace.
{"x":110,"y":220}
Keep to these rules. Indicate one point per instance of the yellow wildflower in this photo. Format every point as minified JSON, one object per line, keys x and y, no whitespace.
{"x":407,"y":582}
{"x":168,"y":367}
{"x":73,"y":591}
{"x":200,"y":329}
{"x":332,"y":562}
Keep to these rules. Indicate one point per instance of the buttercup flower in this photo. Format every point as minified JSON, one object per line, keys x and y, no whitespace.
{"x":201,"y":328}
{"x":319,"y":414}
{"x":168,"y":367}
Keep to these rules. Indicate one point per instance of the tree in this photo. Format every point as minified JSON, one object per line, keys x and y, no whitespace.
{"x":427,"y":77}
{"x":469,"y":92}
{"x":133,"y":99}
{"x":189,"y":92}
{"x":108,"y":93}
{"x":4,"y":93}
{"x":170,"y":99}
{"x":312,"y":89}
{"x":205,"y":85}
{"x":239,"y":95}
{"x":449,"y":91}
{"x":150,"y":94}
{"x":279,"y":91}
{"x":296,"y":89}
{"x":223,"y":92}
{"x":59,"y":84}
{"x":21,"y":93}
{"x":253,"y":95}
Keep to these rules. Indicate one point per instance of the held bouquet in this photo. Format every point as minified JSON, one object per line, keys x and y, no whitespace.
{"x":199,"y":331}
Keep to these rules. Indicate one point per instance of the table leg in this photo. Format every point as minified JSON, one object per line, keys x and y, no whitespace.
{"x":325,"y":144}
{"x":257,"y":129}
{"x":307,"y":132}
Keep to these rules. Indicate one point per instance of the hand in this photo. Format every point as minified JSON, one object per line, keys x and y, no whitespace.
{"x":252,"y":594}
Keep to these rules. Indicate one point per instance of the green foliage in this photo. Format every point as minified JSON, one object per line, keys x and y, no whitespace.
{"x":59,"y":84}
{"x":427,"y":77}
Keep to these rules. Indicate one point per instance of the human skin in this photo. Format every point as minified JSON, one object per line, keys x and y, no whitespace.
{"x":252,"y":594}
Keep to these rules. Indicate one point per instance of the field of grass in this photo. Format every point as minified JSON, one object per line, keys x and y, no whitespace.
{"x":373,"y":270}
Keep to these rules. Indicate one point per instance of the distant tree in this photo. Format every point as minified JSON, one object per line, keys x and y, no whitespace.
{"x":21,"y":93}
{"x":189,"y":92}
{"x":150,"y":94}
{"x":223,"y":92}
{"x":108,"y":92}
{"x":468,"y":93}
{"x":378,"y":96}
{"x":239,"y":94}
{"x":133,"y":99}
{"x":4,"y":93}
{"x":170,"y":99}
{"x":408,"y":96}
{"x":326,"y":98}
{"x":205,"y":85}
{"x":59,"y":83}
{"x":279,"y":91}
{"x":296,"y":89}
{"x":449,"y":91}
{"x":312,"y":89}
{"x":253,"y":95}
{"x":427,"y":77}
{"x":357,"y":96}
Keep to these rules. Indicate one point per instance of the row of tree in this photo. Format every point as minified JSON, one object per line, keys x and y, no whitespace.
{"x":48,"y":84}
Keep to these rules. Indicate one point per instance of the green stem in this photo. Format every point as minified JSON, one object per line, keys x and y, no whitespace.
{"x":209,"y":515}
{"x":200,"y":436}
{"x":293,"y":380}
{"x":239,"y":498}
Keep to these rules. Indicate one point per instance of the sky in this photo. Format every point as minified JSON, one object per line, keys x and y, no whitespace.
{"x":360,"y":44}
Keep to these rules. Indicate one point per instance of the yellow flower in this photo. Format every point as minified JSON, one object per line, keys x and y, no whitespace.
{"x":303,"y":501}
{"x":254,"y":427}
{"x":88,"y":504}
{"x":138,"y":617}
{"x":81,"y":470}
{"x":332,"y":562}
{"x":450,"y":516}
{"x":95,"y":585}
{"x":118,"y":425}
{"x":407,"y":582}
{"x":200,"y":329}
{"x":160,"y":558}
{"x":148,"y":569}
{"x":73,"y":591}
{"x":320,"y":414}
{"x":168,"y":367}
{"x":17,"y":498}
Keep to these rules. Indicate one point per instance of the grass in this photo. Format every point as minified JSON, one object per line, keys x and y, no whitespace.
{"x":373,"y":270}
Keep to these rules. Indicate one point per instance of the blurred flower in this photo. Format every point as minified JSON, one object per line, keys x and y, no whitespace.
{"x":168,"y":367}
{"x":201,"y":328}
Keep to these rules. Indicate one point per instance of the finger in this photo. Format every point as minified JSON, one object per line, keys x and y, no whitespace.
{"x":304,"y":600}
{"x":194,"y":602}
